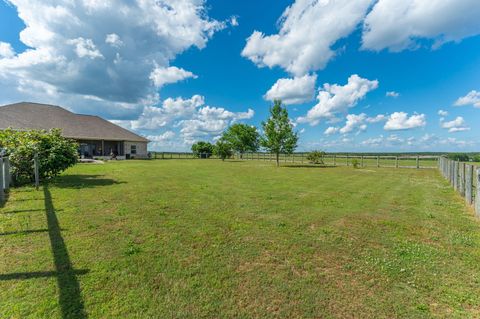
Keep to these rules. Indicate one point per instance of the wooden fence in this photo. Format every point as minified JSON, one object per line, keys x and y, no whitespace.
{"x":398,"y":161}
{"x":5,"y":178}
{"x":464,"y":178}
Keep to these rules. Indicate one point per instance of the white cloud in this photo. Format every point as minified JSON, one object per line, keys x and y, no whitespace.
{"x":334,"y":99}
{"x":234,"y":21}
{"x":114,"y":40}
{"x":392,"y":94}
{"x":472,"y":98}
{"x":401,"y":121}
{"x":442,"y":113}
{"x":457,"y":125}
{"x":192,"y":117}
{"x":377,"y":118}
{"x":308,"y":29}
{"x":6,"y":50}
{"x":161,"y":76}
{"x":331,"y":130}
{"x":293,"y":91}
{"x":354,"y":122}
{"x":101,"y":49}
{"x":85,"y":48}
{"x":398,"y":25}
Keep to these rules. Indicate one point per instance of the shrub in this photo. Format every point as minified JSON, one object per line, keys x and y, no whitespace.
{"x":356,"y":163}
{"x":202,"y":149}
{"x":55,"y":153}
{"x":316,"y":157}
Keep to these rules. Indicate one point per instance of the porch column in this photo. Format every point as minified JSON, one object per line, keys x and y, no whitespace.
{"x":103,"y":148}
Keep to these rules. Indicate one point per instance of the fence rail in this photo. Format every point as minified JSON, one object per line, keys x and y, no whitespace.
{"x":5,"y":177}
{"x":465,"y":179}
{"x":399,"y":161}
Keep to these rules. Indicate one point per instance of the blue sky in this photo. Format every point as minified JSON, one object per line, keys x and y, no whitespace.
{"x":181,"y":71}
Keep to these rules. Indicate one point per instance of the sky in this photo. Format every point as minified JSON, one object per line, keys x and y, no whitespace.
{"x":355,"y":75}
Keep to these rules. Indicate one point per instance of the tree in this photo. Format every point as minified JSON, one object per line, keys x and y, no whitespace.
{"x":279,"y":135}
{"x":223,"y":149}
{"x":202,"y":149}
{"x":55,"y":153}
{"x":243,"y":138}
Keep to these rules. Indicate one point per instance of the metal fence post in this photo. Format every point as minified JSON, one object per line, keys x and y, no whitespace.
{"x":455,"y":175}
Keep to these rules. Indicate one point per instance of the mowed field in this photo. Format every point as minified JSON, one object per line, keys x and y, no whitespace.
{"x":238,"y":239}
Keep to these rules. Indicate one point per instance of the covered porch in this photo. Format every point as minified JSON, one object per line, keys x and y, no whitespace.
{"x":101,"y":148}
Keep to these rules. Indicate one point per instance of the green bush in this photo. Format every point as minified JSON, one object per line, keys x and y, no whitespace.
{"x":55,"y":153}
{"x":202,"y":149}
{"x":316,"y":157}
{"x":462,"y":157}
{"x":356,"y":163}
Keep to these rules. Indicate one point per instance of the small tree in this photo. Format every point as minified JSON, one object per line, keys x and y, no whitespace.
{"x":202,"y":149}
{"x":242,"y":138}
{"x":55,"y":153}
{"x":316,"y":157}
{"x":223,"y":149}
{"x":279,"y":135}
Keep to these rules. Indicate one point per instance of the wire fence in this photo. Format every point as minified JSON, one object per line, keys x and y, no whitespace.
{"x":465,"y":179}
{"x":398,"y":161}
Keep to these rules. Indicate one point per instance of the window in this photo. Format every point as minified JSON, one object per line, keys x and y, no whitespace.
{"x":133,"y":149}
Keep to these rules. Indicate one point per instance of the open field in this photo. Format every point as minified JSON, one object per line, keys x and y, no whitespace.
{"x":238,"y":239}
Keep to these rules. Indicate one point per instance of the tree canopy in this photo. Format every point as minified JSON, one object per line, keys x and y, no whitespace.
{"x":202,"y":149}
{"x":279,"y":136}
{"x":242,"y":138}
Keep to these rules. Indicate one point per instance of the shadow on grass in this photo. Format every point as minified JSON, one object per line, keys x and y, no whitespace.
{"x":83,"y":181}
{"x":70,"y":299}
{"x":307,"y":166}
{"x":23,"y":232}
{"x":23,"y":211}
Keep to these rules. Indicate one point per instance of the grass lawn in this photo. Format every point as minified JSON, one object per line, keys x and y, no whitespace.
{"x":212,"y":239}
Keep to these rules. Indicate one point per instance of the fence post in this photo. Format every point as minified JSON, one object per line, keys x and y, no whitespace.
{"x":469,"y":184}
{"x":362,"y":161}
{"x":455,"y":175}
{"x":35,"y":170}
{"x":418,"y":161}
{"x":477,"y":195}
{"x":334,"y":159}
{"x":347,"y":160}
{"x":6,"y":173}
{"x":461,"y":180}
{"x":378,"y":161}
{"x":2,"y":192}
{"x":396,"y":161}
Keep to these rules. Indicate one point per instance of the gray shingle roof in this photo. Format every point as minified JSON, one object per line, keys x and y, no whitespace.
{"x":26,"y":115}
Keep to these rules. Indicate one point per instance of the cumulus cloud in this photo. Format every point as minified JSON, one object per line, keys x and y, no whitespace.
{"x":442,"y":113}
{"x":354,"y":122}
{"x":161,"y":76}
{"x":308,"y":29}
{"x":335,"y":98}
{"x":6,"y":50}
{"x":398,"y":25}
{"x":401,"y":121}
{"x":472,"y":98}
{"x":191,"y":117}
{"x":331,"y":130}
{"x":101,"y":50}
{"x":377,"y":118}
{"x":293,"y":91}
{"x":392,"y":94}
{"x":457,"y":125}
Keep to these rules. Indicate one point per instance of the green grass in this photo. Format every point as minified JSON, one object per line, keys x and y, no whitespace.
{"x":238,"y":239}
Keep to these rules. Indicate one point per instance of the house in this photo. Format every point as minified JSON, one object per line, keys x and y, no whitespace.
{"x":96,"y":137}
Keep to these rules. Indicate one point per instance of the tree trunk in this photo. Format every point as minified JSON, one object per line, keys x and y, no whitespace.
{"x":277,"y":157}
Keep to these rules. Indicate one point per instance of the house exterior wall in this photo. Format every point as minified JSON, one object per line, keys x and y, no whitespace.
{"x":141,"y":149}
